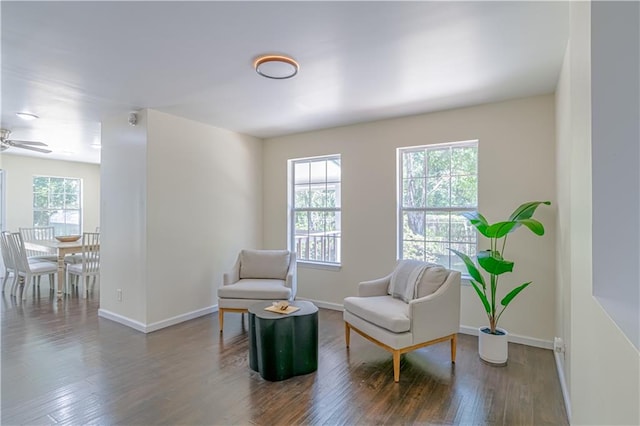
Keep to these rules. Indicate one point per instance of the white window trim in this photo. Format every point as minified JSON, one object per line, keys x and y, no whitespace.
{"x":80,"y":200}
{"x":399,"y":188}
{"x":312,"y":264}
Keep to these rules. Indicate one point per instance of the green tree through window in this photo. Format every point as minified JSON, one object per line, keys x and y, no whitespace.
{"x":57,"y":202}
{"x":437,"y":184}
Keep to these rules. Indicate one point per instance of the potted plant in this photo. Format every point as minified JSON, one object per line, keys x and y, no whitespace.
{"x":492,"y":340}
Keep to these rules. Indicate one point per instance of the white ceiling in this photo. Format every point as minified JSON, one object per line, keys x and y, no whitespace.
{"x":74,"y":63}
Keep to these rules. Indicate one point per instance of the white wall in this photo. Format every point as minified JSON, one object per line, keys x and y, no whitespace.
{"x":516,"y":164}
{"x":564,"y":163}
{"x":20,"y":171}
{"x":124,"y":219}
{"x":184,"y":198}
{"x":204,"y":199}
{"x":602,"y":366}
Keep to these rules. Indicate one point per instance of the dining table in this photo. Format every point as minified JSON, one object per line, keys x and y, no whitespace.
{"x":62,"y":249}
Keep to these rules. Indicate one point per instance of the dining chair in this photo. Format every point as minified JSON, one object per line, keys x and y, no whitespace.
{"x":89,"y":267}
{"x":76,"y":258}
{"x":39,"y":233}
{"x":9,"y":263}
{"x":28,"y":270}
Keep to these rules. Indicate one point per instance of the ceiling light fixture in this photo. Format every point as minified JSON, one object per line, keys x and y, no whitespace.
{"x":26,"y":116}
{"x":276,"y":67}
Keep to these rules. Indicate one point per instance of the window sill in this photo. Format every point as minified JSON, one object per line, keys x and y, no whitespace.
{"x":324,"y":266}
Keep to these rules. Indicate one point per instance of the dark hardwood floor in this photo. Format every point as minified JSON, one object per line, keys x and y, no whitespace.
{"x":63,"y":364}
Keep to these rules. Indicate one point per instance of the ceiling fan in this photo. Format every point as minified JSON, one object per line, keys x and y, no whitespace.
{"x":6,"y":143}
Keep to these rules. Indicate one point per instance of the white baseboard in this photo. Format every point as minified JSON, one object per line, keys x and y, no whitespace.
{"x":563,"y":384}
{"x":148,"y":328}
{"x":181,"y":318}
{"x":136,"y":325}
{"x":515,"y":338}
{"x":324,"y":305}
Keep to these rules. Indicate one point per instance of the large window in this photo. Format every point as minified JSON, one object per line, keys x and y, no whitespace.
{"x":436,"y":184}
{"x":57,"y":202}
{"x":314,"y":209}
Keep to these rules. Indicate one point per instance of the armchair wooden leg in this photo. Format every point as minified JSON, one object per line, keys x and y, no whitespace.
{"x":220,"y":318}
{"x":347,"y":333}
{"x":454,"y":339}
{"x":396,"y":366}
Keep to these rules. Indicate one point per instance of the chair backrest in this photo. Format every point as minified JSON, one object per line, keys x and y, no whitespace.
{"x":90,"y":252}
{"x":7,"y":253}
{"x":18,"y":252}
{"x":268,"y":264}
{"x":37,"y":233}
{"x":413,"y":279}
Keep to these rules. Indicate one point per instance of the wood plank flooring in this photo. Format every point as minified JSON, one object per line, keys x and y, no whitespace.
{"x":61,"y":364}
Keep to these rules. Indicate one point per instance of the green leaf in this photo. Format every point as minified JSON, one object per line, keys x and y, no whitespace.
{"x":493,"y":263}
{"x":535,"y":226}
{"x":484,"y":286}
{"x":477,"y":220}
{"x":526,"y":210}
{"x":471,"y":267}
{"x":513,"y":293}
{"x":482,"y":297}
{"x":500,"y":229}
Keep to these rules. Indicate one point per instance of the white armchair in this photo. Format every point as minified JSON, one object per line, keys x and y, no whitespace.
{"x":257,"y":275}
{"x":415,"y":306}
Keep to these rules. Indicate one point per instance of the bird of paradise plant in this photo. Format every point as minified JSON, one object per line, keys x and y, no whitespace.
{"x":493,"y":261}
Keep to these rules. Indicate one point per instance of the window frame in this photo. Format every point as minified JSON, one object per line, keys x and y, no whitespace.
{"x":401,"y":209}
{"x":292,"y":210}
{"x":79,"y":209}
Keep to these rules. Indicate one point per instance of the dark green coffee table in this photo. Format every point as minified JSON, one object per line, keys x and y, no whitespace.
{"x":283,"y":346}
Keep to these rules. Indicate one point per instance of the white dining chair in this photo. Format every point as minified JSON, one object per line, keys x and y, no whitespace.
{"x":39,"y":233}
{"x":9,"y":264}
{"x":76,"y":258}
{"x":89,"y":267}
{"x":28,"y":270}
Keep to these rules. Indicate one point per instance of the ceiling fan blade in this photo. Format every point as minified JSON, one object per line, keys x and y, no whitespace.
{"x":16,"y":142}
{"x":32,"y":148}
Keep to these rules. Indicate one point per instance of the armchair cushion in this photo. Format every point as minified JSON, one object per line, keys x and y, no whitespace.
{"x":412,"y":279}
{"x":405,"y":278}
{"x":268,"y":289}
{"x":386,"y":312}
{"x":432,"y":279}
{"x":269,"y":264}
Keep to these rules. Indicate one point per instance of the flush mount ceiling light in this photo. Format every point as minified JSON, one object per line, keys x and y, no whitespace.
{"x":276,"y":67}
{"x":26,"y":115}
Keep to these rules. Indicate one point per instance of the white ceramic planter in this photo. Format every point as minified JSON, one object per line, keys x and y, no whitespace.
{"x":493,"y":348}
